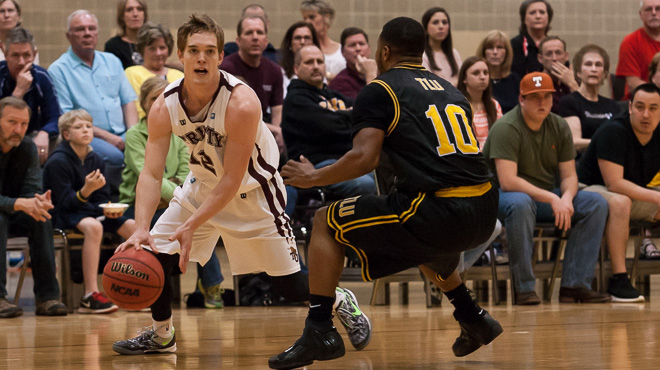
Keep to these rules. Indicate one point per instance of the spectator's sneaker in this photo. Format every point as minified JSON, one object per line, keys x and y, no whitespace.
{"x":8,"y":309}
{"x":51,"y":307}
{"x":476,"y":334}
{"x":147,"y":342}
{"x":96,"y":303}
{"x":316,"y":344}
{"x":357,"y":324}
{"x":212,"y":295}
{"x":623,"y":291}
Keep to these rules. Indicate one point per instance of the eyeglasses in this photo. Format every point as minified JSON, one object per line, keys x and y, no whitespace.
{"x":300,"y":38}
{"x":7,"y":11}
{"x":651,"y":9}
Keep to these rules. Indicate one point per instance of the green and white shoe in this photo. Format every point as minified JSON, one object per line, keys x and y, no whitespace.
{"x":212,"y":295}
{"x":357,"y":324}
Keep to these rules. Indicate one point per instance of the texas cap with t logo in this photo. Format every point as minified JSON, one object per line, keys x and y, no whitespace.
{"x":536,"y":82}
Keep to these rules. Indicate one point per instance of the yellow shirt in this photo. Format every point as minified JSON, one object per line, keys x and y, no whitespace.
{"x":136,"y":75}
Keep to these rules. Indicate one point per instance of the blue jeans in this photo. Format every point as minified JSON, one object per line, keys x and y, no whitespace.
{"x":111,"y":155}
{"x":360,"y":186}
{"x":519,"y":213}
{"x":210,"y":273}
{"x":42,"y":253}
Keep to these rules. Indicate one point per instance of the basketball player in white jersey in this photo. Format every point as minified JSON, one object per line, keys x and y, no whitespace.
{"x":233,"y":189}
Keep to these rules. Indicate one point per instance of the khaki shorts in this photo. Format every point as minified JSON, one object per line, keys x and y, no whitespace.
{"x":640,"y":210}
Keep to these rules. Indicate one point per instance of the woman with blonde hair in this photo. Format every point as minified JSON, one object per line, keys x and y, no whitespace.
{"x":496,"y":49}
{"x":320,"y":15}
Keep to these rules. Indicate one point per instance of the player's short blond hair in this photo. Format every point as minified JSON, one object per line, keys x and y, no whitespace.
{"x":67,"y":119}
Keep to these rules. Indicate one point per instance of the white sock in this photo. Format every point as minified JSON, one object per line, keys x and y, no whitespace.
{"x":163,"y":328}
{"x":339,"y":296}
{"x":88,"y":294}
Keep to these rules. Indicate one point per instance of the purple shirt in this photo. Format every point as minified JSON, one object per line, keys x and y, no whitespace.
{"x":265,"y":80}
{"x":348,"y":82}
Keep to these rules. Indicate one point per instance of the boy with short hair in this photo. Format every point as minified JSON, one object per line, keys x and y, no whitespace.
{"x":75,"y":174}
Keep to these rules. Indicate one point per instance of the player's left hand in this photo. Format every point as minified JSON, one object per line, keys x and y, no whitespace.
{"x":184,"y":235}
{"x":298,"y":174}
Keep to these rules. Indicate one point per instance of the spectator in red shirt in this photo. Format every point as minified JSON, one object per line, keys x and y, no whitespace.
{"x":638,"y":48}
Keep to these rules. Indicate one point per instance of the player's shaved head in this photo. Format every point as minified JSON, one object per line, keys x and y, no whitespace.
{"x":404,"y":36}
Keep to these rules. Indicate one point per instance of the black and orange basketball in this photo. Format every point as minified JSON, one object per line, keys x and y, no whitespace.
{"x":133,"y":279}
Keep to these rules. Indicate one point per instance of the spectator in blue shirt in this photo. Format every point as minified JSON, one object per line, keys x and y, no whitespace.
{"x":95,"y":81}
{"x":21,"y":78}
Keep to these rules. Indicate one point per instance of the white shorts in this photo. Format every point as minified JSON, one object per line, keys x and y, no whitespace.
{"x":254,"y":228}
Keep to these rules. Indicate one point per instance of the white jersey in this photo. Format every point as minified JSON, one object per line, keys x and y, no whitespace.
{"x":207,"y":137}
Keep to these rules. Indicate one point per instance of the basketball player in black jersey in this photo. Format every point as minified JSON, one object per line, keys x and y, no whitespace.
{"x":443,"y":204}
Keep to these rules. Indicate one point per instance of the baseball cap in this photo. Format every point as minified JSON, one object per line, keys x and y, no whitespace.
{"x":536,"y":82}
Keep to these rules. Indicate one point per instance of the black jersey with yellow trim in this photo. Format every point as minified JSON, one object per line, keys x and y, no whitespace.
{"x":428,"y":129}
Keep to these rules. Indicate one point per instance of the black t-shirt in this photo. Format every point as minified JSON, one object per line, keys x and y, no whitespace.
{"x":125,"y":51}
{"x":506,"y":91}
{"x":427,"y":124}
{"x":591,"y":114}
{"x":616,"y":142}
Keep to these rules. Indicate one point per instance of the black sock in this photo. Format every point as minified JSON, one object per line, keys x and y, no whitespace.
{"x":622,"y":275}
{"x":466,"y":309}
{"x":320,"y":308}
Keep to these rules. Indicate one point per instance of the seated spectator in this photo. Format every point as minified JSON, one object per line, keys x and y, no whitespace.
{"x":298,"y":35}
{"x":261,"y":74}
{"x":155,"y":43}
{"x":131,"y":15}
{"x":496,"y":49}
{"x":95,"y":81}
{"x":654,"y":76}
{"x":584,"y":110}
{"x":535,"y":19}
{"x":258,"y":11}
{"x":320,"y":14}
{"x":316,"y":122}
{"x":638,"y":48}
{"x":10,"y":12}
{"x":554,"y":58}
{"x":360,"y":70}
{"x":439,"y":56}
{"x":474,"y":83}
{"x":518,"y":153}
{"x":176,"y":170}
{"x":24,"y":210}
{"x":76,"y":176}
{"x":622,"y":164}
{"x":21,"y":78}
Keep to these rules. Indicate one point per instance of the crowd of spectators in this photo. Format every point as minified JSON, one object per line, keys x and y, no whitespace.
{"x":73,"y":135}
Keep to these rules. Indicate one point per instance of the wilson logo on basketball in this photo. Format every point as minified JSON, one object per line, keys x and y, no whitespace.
{"x":127,"y":269}
{"x":125,"y":291}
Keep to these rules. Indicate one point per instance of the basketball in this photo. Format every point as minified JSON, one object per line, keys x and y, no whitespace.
{"x":133,"y":279}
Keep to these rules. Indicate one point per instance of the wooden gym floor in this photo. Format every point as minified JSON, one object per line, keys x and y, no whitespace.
{"x":549,"y":336}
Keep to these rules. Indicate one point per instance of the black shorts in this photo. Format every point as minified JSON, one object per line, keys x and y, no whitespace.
{"x":391,"y":233}
{"x":110,"y":225}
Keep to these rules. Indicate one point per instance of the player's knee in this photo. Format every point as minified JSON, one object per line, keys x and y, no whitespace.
{"x":294,"y":287}
{"x":320,"y":217}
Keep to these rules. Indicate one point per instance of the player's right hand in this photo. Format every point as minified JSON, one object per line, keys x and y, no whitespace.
{"x":298,"y":174}
{"x":140,"y":237}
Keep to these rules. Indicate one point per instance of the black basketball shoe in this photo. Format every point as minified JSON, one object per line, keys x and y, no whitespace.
{"x":316,"y":344}
{"x":476,"y":334}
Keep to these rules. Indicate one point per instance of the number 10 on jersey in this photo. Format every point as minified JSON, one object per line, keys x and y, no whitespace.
{"x":459,"y":127}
